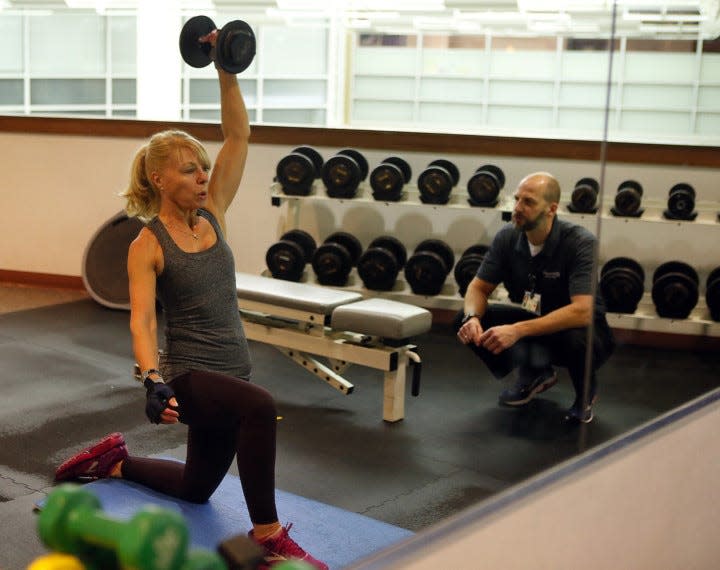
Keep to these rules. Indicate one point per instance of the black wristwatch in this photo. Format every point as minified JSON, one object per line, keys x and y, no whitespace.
{"x":469,"y":316}
{"x":145,"y":376}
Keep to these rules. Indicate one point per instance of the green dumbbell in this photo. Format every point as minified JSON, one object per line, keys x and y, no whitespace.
{"x":153,"y":539}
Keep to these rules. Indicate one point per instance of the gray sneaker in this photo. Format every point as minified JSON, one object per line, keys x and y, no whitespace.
{"x":525,"y":389}
{"x":579,"y":414}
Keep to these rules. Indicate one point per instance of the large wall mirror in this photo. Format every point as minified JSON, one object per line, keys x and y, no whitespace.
{"x":514,"y":68}
{"x":596,"y":71}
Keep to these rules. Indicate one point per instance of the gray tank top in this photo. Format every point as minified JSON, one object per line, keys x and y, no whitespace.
{"x":203,"y":330}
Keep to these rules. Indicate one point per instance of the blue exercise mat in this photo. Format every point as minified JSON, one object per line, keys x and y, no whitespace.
{"x":333,"y":535}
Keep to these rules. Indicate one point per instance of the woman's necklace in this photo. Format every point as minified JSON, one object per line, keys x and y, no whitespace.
{"x":190,"y":233}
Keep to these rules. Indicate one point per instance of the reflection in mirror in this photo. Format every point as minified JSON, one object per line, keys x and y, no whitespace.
{"x":603,"y":85}
{"x":517,"y":69}
{"x":652,"y":257}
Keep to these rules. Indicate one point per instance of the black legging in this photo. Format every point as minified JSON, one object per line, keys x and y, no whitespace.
{"x":226,"y":416}
{"x":564,"y":348}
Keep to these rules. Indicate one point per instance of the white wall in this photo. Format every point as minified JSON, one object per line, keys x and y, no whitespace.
{"x":57,"y":190}
{"x":61,"y":189}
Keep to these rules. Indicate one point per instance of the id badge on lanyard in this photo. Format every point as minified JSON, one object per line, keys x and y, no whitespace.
{"x":531,"y":299}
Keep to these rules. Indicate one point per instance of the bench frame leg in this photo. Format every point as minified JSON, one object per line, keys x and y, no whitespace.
{"x":394,"y":390}
{"x":303,"y":345}
{"x":311,"y":364}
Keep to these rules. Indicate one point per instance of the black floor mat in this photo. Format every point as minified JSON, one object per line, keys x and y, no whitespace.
{"x":67,"y":381}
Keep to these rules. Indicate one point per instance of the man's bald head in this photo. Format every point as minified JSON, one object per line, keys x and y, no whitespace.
{"x":545,"y":183}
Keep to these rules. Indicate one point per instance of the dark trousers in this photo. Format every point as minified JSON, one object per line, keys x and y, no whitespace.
{"x":532,"y":354}
{"x":226,"y":417}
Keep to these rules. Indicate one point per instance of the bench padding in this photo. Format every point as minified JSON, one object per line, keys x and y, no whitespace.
{"x":382,"y":317}
{"x":304,"y":321}
{"x":292,"y":295}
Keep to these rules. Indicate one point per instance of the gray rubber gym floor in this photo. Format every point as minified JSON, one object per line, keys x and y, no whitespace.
{"x":66,"y":380}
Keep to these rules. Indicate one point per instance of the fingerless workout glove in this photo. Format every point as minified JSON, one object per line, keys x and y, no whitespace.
{"x":158,"y":395}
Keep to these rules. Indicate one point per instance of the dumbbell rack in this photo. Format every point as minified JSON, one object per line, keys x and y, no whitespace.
{"x":645,"y":318}
{"x":448,"y":298}
{"x":698,"y":323}
{"x":707,"y":213}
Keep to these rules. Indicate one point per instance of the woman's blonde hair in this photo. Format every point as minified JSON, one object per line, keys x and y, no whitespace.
{"x":142,"y":197}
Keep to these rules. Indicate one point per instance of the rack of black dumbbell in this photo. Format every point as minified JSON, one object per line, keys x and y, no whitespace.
{"x":304,"y":172}
{"x":675,"y":290}
{"x":627,"y":201}
{"x":347,"y":175}
{"x":385,"y":265}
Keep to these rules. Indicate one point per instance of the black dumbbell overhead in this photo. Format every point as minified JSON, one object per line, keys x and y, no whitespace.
{"x":681,"y":202}
{"x":335,"y":258}
{"x":234,"y":49}
{"x":194,"y":52}
{"x":622,"y":284}
{"x":343,"y":173}
{"x":675,"y":289}
{"x":296,"y":171}
{"x":584,"y":196}
{"x":627,"y":199}
{"x":286,"y":259}
{"x":484,"y":186}
{"x":467,"y":266}
{"x":428,"y":267}
{"x":380,"y":263}
{"x":436,"y":182}
{"x":388,"y":178}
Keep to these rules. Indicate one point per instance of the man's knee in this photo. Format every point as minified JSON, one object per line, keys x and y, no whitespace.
{"x":575,"y":340}
{"x":571,"y":348}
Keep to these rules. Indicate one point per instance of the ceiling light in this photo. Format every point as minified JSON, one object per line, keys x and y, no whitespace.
{"x":561,"y":5}
{"x":291,"y":15}
{"x":468,"y":26}
{"x":426,"y":23}
{"x":359,"y":24}
{"x":293,"y":5}
{"x":378,"y":15}
{"x":663,"y":16}
{"x":547,"y":26}
{"x":400,"y":5}
{"x":378,"y":5}
{"x":675,"y":30}
{"x":101,"y":6}
{"x":490,"y":17}
{"x":549,"y":17}
{"x":584,"y":28}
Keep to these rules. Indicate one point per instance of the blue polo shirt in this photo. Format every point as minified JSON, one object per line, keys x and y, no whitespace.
{"x":562,"y":269}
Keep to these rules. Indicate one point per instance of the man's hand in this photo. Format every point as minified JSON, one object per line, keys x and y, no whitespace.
{"x":471,"y":332}
{"x":499,"y":338}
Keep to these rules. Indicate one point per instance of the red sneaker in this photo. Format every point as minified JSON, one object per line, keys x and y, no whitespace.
{"x":281,"y":547}
{"x":96,"y":461}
